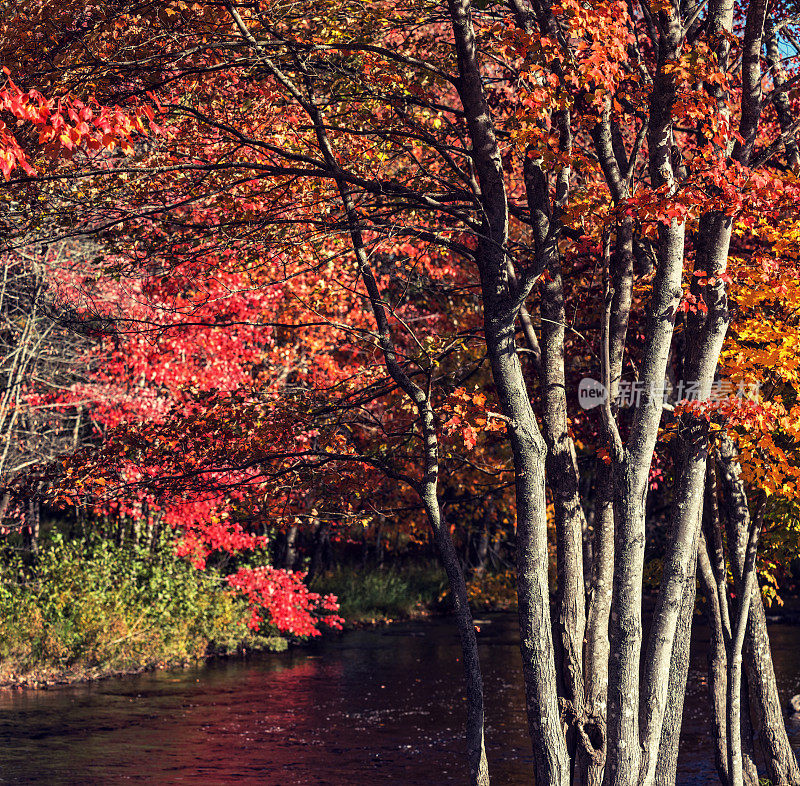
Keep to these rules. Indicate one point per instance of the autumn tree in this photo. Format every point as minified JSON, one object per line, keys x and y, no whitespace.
{"x":491,"y":151}
{"x":42,"y":353}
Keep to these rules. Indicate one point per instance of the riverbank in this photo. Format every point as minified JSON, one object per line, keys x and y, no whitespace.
{"x":377,"y":595}
{"x":92,"y":610}
{"x":89,"y":609}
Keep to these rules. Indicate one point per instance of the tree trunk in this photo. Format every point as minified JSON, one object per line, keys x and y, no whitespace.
{"x":597,"y":643}
{"x":290,"y":548}
{"x":705,"y":337}
{"x":631,"y":483}
{"x":501,"y":306}
{"x":769,"y":727}
{"x":321,"y":537}
{"x":717,"y":662}
{"x":562,"y":462}
{"x":749,"y":769}
{"x":667,"y":761}
{"x":427,"y":486}
{"x":746,"y":584}
{"x":30,"y":530}
{"x":770,"y":730}
{"x":479,"y":769}
{"x":619,"y":294}
{"x":482,"y":550}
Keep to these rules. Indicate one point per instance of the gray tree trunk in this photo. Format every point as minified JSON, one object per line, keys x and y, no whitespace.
{"x":501,"y":307}
{"x":769,"y":726}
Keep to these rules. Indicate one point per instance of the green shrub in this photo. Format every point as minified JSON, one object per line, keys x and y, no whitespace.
{"x":88,"y":607}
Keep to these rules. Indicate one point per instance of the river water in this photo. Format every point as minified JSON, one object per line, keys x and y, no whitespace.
{"x":366,"y":707}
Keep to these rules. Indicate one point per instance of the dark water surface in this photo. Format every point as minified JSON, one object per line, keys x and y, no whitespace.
{"x":381,"y":706}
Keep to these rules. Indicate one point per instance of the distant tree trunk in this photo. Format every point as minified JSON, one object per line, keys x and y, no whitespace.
{"x":150,"y":530}
{"x":119,"y":538}
{"x":379,"y":541}
{"x":136,"y":527}
{"x":466,"y":550}
{"x":30,"y":530}
{"x":482,"y":549}
{"x":321,"y":547}
{"x":364,"y":549}
{"x":290,"y":548}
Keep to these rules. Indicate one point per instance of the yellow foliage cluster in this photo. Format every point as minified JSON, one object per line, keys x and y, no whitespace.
{"x":493,"y":592}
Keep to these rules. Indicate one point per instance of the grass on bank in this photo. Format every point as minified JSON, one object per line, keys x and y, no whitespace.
{"x":381,"y":594}
{"x":88,"y":608}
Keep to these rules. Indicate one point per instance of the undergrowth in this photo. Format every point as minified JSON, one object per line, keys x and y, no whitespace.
{"x":87,"y":608}
{"x":374,"y":594}
{"x":493,"y":591}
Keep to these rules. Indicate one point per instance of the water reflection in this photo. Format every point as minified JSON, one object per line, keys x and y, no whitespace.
{"x":364,"y":708}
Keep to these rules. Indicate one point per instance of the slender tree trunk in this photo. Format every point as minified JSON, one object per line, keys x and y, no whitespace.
{"x":667,"y":660}
{"x":379,"y":542}
{"x":427,"y":487}
{"x":619,"y":294}
{"x":482,"y":550}
{"x":746,"y":584}
{"x":770,"y":729}
{"x":501,"y":306}
{"x":749,"y":768}
{"x":562,"y":462}
{"x":667,"y":762}
{"x":550,"y":753}
{"x":705,"y":343}
{"x":597,"y":643}
{"x":321,"y":537}
{"x":290,"y":548}
{"x":479,"y":770}
{"x":717,"y":663}
{"x":768,"y":721}
{"x":157,"y":525}
{"x":30,"y":532}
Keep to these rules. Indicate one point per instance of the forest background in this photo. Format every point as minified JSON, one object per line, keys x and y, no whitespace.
{"x":295,"y":290}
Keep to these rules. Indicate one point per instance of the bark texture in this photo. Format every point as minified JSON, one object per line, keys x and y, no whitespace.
{"x":501,"y":307}
{"x":768,"y":722}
